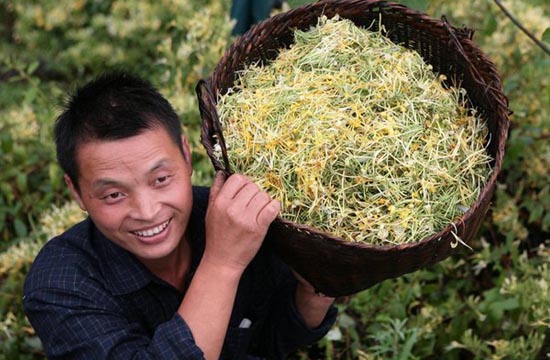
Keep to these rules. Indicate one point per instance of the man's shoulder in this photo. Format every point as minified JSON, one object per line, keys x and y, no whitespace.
{"x":75,"y":244}
{"x":63,"y":259}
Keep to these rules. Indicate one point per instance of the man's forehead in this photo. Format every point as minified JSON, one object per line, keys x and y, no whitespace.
{"x":146,"y":152}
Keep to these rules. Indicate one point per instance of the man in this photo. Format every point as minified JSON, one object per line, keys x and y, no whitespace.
{"x":160,"y":269}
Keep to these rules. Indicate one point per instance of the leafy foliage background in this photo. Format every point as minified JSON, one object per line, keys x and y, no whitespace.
{"x":489,"y":303}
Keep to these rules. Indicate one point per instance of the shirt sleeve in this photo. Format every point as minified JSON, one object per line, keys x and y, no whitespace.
{"x":285,"y":327}
{"x":88,"y":324}
{"x":293,"y":332}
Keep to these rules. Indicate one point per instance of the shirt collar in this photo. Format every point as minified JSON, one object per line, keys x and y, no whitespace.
{"x":122,"y":272}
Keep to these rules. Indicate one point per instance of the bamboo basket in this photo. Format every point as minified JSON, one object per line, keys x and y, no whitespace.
{"x":333,"y":266}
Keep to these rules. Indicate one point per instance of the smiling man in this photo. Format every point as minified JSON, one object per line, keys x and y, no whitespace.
{"x":160,"y":269}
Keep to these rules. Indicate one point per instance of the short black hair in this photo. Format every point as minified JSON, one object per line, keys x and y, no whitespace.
{"x":115,"y":105}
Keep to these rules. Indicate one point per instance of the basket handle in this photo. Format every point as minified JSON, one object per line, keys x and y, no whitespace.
{"x":211,"y":132}
{"x":464,"y":33}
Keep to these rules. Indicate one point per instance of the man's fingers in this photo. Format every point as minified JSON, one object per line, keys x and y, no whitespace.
{"x":237,"y":185}
{"x":243,"y":197}
{"x":268,"y":213}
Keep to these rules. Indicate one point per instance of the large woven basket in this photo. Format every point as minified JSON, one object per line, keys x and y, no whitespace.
{"x":336,"y":267}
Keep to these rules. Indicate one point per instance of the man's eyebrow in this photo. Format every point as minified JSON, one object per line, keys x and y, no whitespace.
{"x":100,"y":183}
{"x":160,"y":164}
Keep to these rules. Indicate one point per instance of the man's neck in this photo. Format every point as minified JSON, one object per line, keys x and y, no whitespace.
{"x":173,"y":268}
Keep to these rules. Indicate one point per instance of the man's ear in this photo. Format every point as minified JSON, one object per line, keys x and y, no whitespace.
{"x":74,"y":192}
{"x":187,"y":153}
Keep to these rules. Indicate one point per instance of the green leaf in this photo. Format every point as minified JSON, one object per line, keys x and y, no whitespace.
{"x":30,"y":95}
{"x":20,"y":228}
{"x":22,"y":182}
{"x":407,"y":348}
{"x":55,"y":175}
{"x":490,"y":25}
{"x":498,"y":308}
{"x":546,"y":36}
{"x":6,"y":142}
{"x":32,"y":67}
{"x":346,"y":321}
{"x":536,"y":212}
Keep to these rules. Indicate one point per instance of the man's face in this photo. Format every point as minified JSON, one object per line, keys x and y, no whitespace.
{"x":137,"y":191}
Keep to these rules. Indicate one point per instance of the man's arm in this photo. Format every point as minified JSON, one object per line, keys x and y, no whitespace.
{"x":312,"y":306}
{"x":237,"y":220}
{"x":86,"y":322}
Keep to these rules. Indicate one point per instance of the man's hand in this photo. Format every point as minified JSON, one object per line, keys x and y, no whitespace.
{"x":312,"y":306}
{"x":238,"y":216}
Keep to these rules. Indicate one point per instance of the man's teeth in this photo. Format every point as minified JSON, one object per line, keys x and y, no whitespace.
{"x":152,"y":231}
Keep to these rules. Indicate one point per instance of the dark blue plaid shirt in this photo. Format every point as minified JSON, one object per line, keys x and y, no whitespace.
{"x":87,"y":298}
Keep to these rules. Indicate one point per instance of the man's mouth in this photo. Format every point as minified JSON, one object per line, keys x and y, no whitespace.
{"x":152,"y":231}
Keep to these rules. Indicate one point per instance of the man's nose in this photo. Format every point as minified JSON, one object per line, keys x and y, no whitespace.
{"x":145,"y":206}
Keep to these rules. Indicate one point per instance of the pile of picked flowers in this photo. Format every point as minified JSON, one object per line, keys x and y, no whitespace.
{"x":356,"y":136}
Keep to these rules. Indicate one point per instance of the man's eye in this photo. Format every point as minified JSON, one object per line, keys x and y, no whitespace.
{"x":113,"y":196}
{"x":162,"y":180}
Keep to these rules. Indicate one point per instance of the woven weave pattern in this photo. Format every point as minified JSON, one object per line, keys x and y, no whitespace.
{"x":336,"y":267}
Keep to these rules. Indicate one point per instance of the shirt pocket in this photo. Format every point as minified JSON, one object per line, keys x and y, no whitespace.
{"x":237,"y":341}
